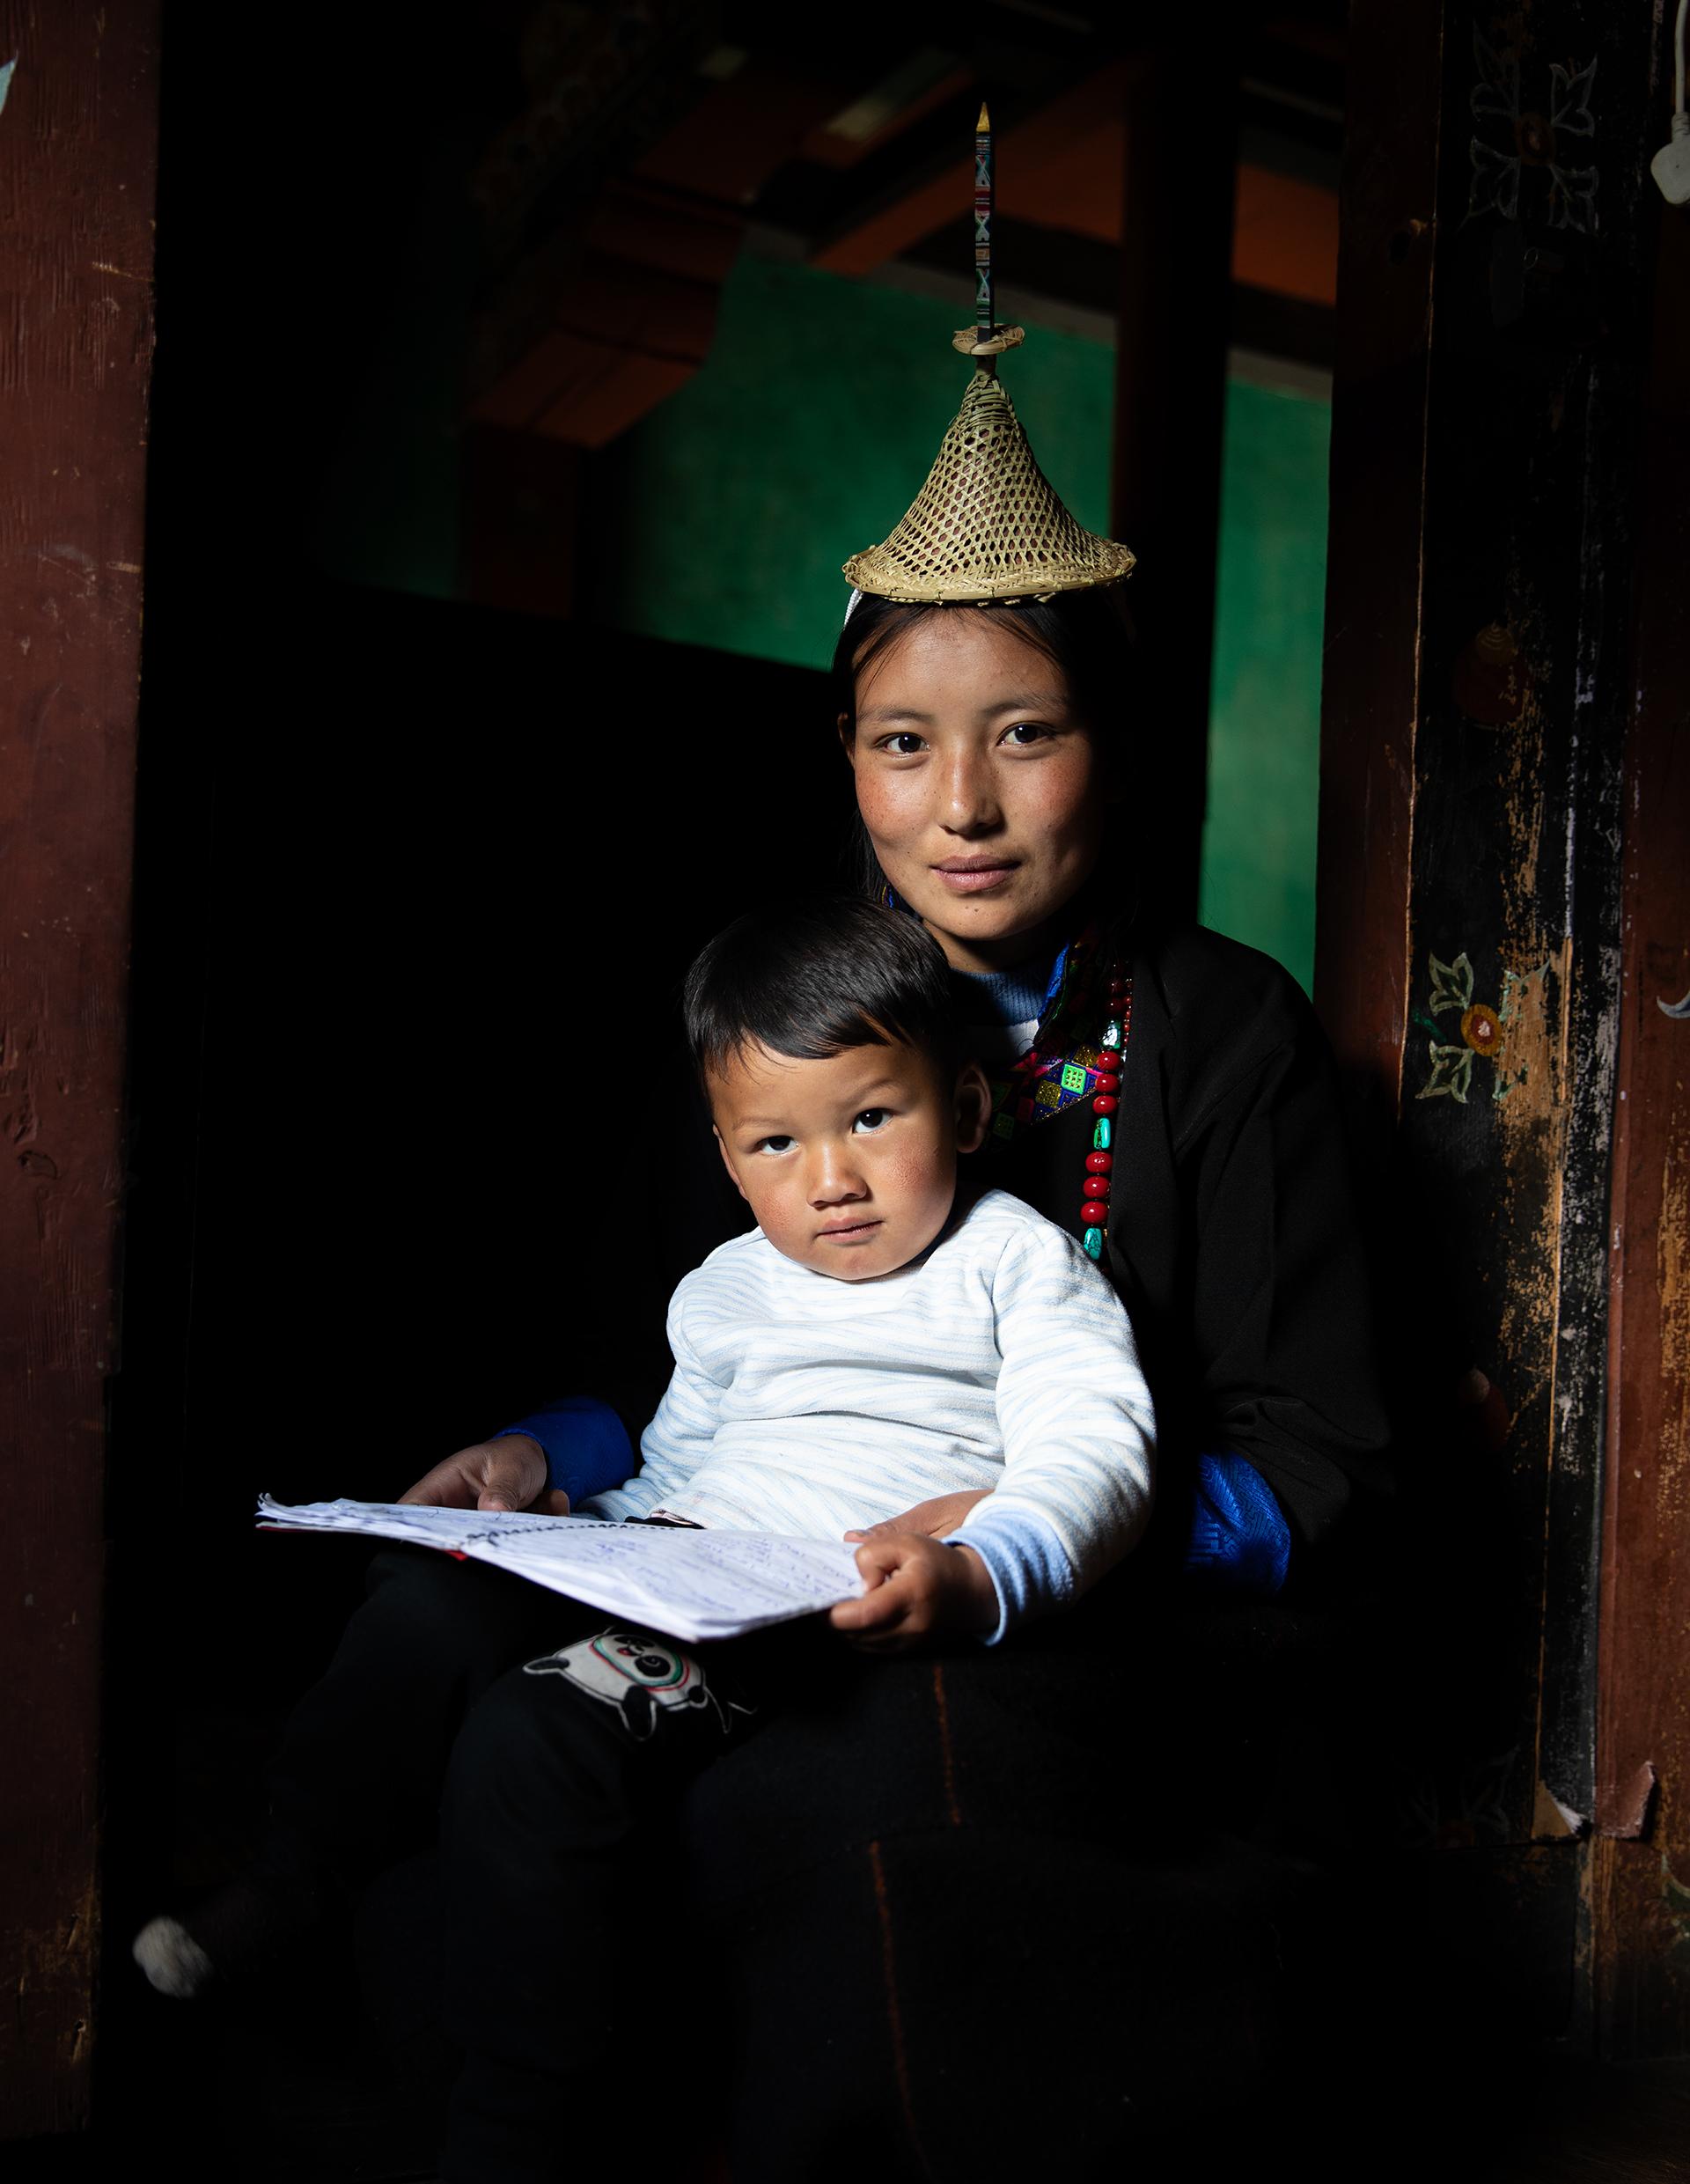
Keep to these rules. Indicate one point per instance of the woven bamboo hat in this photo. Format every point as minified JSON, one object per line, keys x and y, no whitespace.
{"x":987,"y":525}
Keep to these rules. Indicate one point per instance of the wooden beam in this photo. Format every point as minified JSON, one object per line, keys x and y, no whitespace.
{"x":1025,"y":149}
{"x":615,"y":310}
{"x":1064,"y":169}
{"x":1370,"y":694}
{"x":77,"y":141}
{"x":1170,"y":421}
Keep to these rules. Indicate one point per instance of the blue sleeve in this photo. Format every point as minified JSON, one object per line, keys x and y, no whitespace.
{"x":1028,"y":1565}
{"x":586,"y":1445}
{"x":1240,"y":1541}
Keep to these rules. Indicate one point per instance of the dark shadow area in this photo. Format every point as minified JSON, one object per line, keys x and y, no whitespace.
{"x":416,"y":882}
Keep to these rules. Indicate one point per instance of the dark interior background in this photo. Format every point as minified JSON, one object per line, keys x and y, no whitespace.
{"x":416,"y":881}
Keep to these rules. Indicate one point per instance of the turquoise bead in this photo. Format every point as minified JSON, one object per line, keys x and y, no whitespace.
{"x":1103,"y":1136}
{"x":1092,"y":1243}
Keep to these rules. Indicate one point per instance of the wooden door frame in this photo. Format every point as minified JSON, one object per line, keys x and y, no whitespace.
{"x":78,"y":134}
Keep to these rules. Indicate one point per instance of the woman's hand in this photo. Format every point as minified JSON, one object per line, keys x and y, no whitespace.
{"x":943,"y":1513}
{"x":510,"y":1473}
{"x":917,"y":1589}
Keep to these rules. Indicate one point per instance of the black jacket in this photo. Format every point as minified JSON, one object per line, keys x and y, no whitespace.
{"x":1232,"y":1237}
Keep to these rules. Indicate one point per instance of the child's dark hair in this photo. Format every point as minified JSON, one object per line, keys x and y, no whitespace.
{"x":813,"y":976}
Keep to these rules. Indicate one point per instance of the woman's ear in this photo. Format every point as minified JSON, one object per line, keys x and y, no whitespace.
{"x":727,"y":1162}
{"x":847,"y":728}
{"x":974,"y":1108}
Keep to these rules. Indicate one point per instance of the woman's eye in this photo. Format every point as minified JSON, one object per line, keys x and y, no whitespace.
{"x":773,"y":1144}
{"x":872,"y":1119}
{"x":1025,"y":733}
{"x":905,"y":744}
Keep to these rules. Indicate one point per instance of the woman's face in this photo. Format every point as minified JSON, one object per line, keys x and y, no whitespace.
{"x":982,"y":791}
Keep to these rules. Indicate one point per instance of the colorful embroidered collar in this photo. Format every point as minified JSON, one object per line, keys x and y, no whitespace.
{"x":1064,"y":1062}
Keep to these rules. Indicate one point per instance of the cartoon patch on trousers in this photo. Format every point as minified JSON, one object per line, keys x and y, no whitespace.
{"x":640,"y":1674}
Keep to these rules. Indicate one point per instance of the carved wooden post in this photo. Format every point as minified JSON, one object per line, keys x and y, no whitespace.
{"x":77,"y":132}
{"x":1494,"y":301}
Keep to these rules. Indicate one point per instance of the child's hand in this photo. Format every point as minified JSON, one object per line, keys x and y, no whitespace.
{"x":917,"y":1589}
{"x":943,"y":1513}
{"x":510,"y":1473}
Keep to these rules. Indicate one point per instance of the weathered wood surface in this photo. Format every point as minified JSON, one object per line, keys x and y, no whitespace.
{"x":1541,"y":303}
{"x":1484,"y":451}
{"x":1375,"y":545}
{"x":1641,"y":1896}
{"x":78,"y":134}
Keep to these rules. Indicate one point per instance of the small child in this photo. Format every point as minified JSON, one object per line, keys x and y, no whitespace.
{"x":877,"y":1341}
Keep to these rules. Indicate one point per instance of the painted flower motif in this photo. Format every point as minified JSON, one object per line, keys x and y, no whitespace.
{"x":1451,"y":984}
{"x":1530,"y":140}
{"x":1481,"y":1027}
{"x":1472,"y":1809}
{"x":1676,"y":1897}
{"x":1451,"y":1073}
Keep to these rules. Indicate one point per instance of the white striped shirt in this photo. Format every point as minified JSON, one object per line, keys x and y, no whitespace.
{"x":1001,"y":1358}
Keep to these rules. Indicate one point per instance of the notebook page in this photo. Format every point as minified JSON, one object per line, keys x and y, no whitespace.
{"x":690,"y":1584}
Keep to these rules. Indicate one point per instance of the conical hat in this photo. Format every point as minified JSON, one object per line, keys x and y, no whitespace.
{"x":988,"y":524}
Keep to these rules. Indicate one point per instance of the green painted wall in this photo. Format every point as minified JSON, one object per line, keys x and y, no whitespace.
{"x":1264,"y":722}
{"x":803,"y":439}
{"x":810,"y":431}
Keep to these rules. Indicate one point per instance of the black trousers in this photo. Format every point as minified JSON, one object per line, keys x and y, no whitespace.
{"x":567,"y":1914}
{"x":355,"y":1784}
{"x":956,"y":1907}
{"x":548,"y":1748}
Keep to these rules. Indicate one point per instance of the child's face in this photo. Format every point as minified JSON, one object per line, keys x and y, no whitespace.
{"x":849,"y":1164}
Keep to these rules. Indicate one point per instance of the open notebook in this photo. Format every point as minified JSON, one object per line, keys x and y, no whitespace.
{"x":690,"y":1584}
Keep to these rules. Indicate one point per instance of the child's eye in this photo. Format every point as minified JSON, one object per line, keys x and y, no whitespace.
{"x":773,"y":1144}
{"x":872,"y":1119}
{"x":1025,"y":733}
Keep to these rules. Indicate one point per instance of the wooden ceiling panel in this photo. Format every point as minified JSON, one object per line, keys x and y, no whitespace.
{"x":738,"y":132}
{"x":837,"y":147}
{"x":1285,"y":236}
{"x":1065,"y":168}
{"x":1025,"y":153}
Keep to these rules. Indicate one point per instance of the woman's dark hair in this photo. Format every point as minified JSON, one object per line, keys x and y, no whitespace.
{"x":1087,"y":636}
{"x":813,"y":976}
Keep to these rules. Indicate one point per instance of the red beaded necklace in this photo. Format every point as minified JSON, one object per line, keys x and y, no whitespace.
{"x":1105,"y":1101}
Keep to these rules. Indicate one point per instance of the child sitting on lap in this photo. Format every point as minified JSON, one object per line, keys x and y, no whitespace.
{"x":875,"y":1342}
{"x":878,"y":1339}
